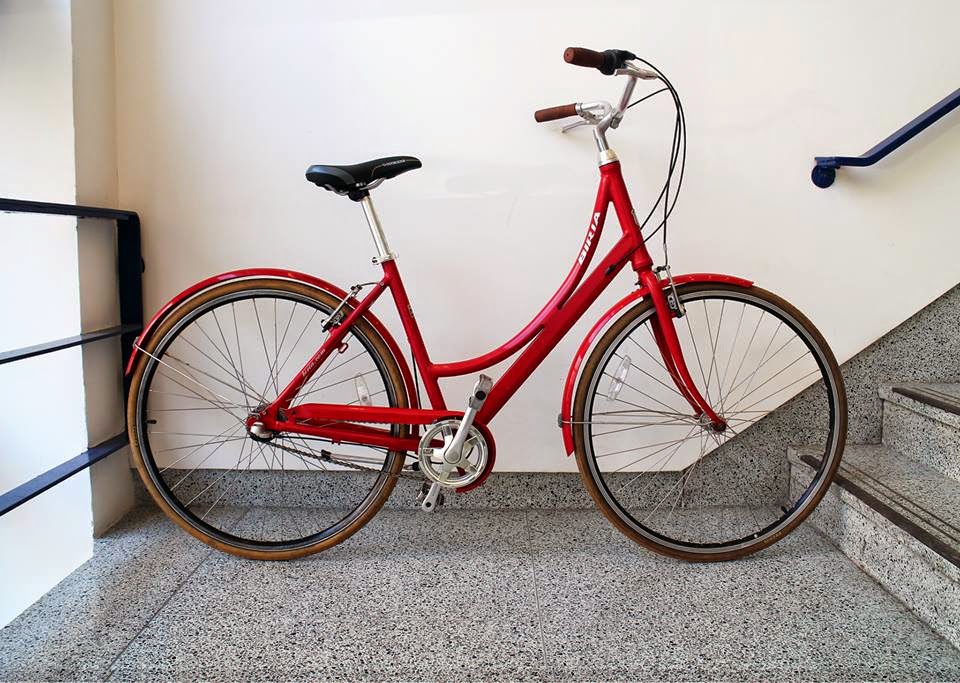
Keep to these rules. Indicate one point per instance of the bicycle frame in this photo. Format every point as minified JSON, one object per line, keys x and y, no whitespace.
{"x":537,"y":339}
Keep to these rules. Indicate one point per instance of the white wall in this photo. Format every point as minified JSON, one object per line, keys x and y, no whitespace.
{"x":222,"y":105}
{"x":96,"y":163}
{"x":41,"y":403}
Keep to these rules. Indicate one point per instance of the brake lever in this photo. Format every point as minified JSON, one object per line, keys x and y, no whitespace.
{"x":637,"y":72}
{"x":591,"y":114}
{"x":571,"y":126}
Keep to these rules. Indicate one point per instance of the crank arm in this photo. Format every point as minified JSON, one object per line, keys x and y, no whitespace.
{"x":480,"y":392}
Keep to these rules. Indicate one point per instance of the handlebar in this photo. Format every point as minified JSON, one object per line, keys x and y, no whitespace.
{"x":553,"y":113}
{"x":581,"y":56}
{"x":607,"y":62}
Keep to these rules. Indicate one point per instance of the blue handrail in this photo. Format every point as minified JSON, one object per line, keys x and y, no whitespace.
{"x":825,"y":172}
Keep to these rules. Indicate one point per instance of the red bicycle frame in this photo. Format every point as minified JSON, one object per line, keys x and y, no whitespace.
{"x":539,"y":336}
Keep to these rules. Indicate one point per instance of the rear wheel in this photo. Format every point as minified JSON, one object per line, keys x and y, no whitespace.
{"x":214,"y":361}
{"x":668,"y":479}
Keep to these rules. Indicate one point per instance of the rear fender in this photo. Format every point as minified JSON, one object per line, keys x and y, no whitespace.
{"x":601,"y":325}
{"x":282,"y":274}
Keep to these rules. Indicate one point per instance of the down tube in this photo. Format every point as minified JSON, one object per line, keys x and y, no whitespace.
{"x":557,"y":325}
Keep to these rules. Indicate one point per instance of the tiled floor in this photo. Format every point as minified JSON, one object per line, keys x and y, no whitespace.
{"x":467,"y":594}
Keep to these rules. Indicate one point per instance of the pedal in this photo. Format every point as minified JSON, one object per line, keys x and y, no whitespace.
{"x":430,"y":497}
{"x":480,"y":392}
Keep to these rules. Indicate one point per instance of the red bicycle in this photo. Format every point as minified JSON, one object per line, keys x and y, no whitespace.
{"x":271,"y":413}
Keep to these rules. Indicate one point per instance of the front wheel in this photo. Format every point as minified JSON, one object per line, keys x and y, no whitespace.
{"x":665,"y":477}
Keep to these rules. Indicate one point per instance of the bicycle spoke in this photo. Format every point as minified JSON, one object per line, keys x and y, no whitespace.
{"x":656,"y":360}
{"x":713,"y":348}
{"x":194,"y":397}
{"x":639,"y":448}
{"x":226,"y":347}
{"x":640,"y":411}
{"x":266,"y":354}
{"x":763,"y":360}
{"x":206,"y":457}
{"x":205,"y":374}
{"x":303,"y":395}
{"x":296,"y":343}
{"x":733,"y":346}
{"x":236,"y":330}
{"x":794,"y":382}
{"x":348,"y":379}
{"x":677,"y":423}
{"x":225,"y":354}
{"x":192,"y":379}
{"x":705,"y":492}
{"x":679,"y":480}
{"x":236,"y":471}
{"x":676,"y":443}
{"x":665,"y":458}
{"x":746,"y":352}
{"x":243,"y":383}
{"x":696,"y":351}
{"x":216,"y":481}
{"x":644,"y":394}
{"x":193,"y":445}
{"x":770,"y":379}
{"x":278,"y":367}
{"x":309,"y":389}
{"x":225,"y":407}
{"x":663,"y":384}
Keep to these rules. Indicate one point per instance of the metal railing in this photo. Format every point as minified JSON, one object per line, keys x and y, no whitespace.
{"x":129,"y":274}
{"x":825,"y":172}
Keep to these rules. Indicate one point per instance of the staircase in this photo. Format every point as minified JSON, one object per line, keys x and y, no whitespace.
{"x":894,"y":507}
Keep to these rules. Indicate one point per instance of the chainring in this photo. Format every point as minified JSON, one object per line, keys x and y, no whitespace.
{"x":455,"y":470}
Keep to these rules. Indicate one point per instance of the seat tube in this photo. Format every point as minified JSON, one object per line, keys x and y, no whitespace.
{"x":376,"y":230}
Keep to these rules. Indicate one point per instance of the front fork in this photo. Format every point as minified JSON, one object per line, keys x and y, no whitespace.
{"x":668,"y":343}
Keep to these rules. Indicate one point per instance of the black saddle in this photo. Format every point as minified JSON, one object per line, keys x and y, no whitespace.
{"x":354,"y":180}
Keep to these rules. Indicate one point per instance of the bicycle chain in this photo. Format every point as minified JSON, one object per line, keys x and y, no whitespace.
{"x":326,"y":456}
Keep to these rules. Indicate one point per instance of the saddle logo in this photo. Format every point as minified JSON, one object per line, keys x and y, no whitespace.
{"x":587,"y":242}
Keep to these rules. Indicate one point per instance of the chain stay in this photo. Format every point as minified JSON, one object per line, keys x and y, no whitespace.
{"x":328,"y":457}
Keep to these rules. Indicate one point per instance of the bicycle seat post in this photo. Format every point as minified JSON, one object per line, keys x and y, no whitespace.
{"x":376,"y":230}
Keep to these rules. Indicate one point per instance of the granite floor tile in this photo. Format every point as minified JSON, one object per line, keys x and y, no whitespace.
{"x":468,"y":595}
{"x":797,"y":609}
{"x":476,"y":532}
{"x":407,"y":598}
{"x":78,"y":628}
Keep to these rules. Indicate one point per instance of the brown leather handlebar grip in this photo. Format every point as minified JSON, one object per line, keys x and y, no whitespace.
{"x":581,"y":56}
{"x":554,"y":113}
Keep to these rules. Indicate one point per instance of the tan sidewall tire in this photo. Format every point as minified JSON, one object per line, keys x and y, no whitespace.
{"x":579,"y":409}
{"x":376,"y":341}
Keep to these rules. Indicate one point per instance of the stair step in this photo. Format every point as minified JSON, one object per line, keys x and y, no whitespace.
{"x":945,"y":397}
{"x":899,"y":520}
{"x":922,"y":421}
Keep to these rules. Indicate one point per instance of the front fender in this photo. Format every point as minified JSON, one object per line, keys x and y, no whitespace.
{"x":574,"y":372}
{"x":282,"y":274}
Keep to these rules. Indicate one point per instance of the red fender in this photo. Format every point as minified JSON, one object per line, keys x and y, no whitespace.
{"x":574,"y":372}
{"x":283,"y":275}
